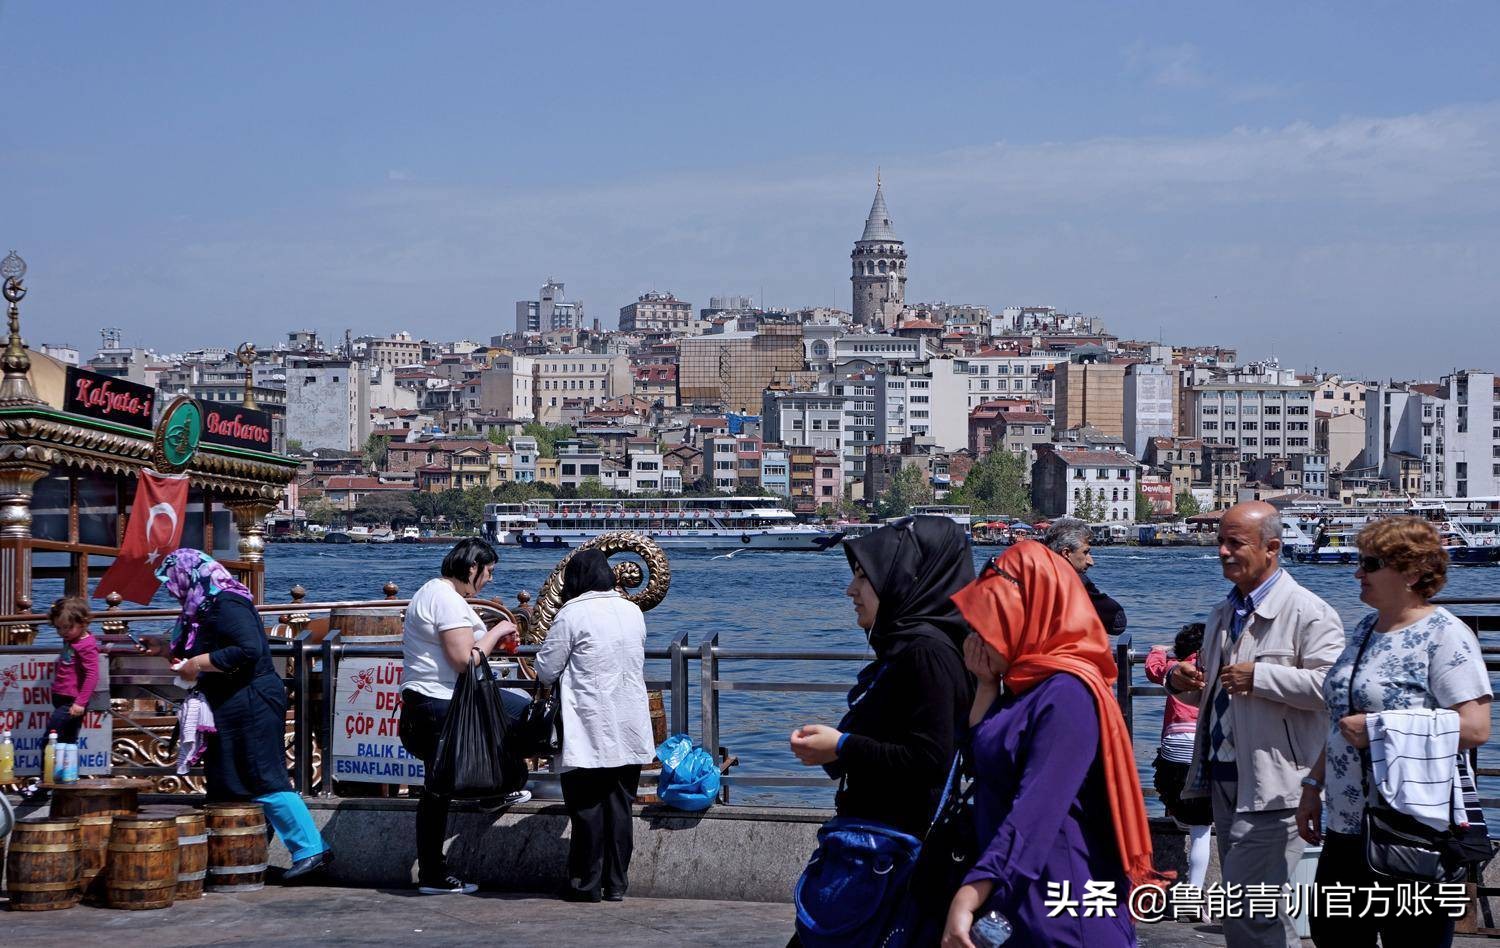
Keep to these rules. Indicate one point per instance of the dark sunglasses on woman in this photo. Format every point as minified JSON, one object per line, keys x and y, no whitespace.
{"x":1371,"y":564}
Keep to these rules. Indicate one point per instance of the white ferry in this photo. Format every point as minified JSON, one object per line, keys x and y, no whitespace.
{"x":504,"y":524}
{"x":957,"y":513}
{"x":1332,"y":537}
{"x":676,"y":523}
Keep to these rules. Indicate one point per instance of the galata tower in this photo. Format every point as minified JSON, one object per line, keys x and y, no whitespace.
{"x":879,"y":271}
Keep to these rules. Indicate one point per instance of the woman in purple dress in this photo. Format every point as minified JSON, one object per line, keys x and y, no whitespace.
{"x":1057,"y":796}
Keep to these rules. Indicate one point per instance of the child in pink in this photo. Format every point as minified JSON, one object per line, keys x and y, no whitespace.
{"x":77,"y":671}
{"x":1178,"y":726}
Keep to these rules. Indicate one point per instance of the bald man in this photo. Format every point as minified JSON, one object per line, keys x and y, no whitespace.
{"x":1262,"y":720}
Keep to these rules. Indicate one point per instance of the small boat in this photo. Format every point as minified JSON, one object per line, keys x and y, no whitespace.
{"x":336,"y":536}
{"x":383,"y":535}
{"x":410,"y":535}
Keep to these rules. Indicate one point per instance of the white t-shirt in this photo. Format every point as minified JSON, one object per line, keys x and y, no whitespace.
{"x":424,"y":665}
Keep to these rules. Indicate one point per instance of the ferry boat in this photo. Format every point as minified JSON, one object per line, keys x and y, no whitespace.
{"x":675,"y":523}
{"x":957,"y":513}
{"x":505,"y":523}
{"x":1331,"y":539}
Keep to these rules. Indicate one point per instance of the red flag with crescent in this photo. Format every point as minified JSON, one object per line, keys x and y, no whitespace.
{"x":155,"y":529}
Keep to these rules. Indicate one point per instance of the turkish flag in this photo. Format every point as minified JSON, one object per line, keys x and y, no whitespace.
{"x":154,"y":530}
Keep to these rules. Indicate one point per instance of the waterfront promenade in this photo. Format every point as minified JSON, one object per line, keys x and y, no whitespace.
{"x":339,"y":916}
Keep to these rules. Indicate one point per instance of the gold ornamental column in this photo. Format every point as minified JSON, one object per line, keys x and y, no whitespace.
{"x":21,"y":464}
{"x":250,"y":522}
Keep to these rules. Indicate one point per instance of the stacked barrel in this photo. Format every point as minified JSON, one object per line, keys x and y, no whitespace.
{"x":99,"y":845}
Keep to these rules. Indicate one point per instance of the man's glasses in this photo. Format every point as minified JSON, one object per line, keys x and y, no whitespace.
{"x":1371,"y":564}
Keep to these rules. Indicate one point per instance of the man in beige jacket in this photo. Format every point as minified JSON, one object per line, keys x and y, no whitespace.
{"x":1261,"y":716}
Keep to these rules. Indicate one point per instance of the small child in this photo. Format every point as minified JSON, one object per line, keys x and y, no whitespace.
{"x":77,"y":670}
{"x":1174,"y":756}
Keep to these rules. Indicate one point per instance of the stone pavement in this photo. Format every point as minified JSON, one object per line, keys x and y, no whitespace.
{"x":338,"y":916}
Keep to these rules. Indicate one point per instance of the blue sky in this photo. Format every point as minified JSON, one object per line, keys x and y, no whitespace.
{"x":1312,"y":181}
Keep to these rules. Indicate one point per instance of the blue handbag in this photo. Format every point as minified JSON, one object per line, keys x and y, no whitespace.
{"x":853,"y":885}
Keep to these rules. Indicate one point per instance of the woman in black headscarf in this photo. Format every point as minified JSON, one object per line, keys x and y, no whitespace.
{"x":893,"y":749}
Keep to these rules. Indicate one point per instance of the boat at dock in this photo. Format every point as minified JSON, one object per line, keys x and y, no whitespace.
{"x":675,"y":523}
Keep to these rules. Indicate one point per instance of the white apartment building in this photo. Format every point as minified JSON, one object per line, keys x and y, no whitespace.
{"x":879,"y":349}
{"x":552,"y":311}
{"x":506,"y":387}
{"x":524,"y":453}
{"x":804,"y":419}
{"x":327,"y":403}
{"x":1261,"y":420}
{"x":931,"y":403}
{"x":1452,"y":426}
{"x":581,"y":375}
{"x":1008,"y":373}
{"x":861,"y":426}
{"x":657,"y":312}
{"x":1150,"y":405}
{"x":399,"y":350}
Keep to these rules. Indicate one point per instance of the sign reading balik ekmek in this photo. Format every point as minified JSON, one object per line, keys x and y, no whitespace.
{"x":366,"y":745}
{"x":108,"y":399}
{"x":26,"y":704}
{"x":236,"y":426}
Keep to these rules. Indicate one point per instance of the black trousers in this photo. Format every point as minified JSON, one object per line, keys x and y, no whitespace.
{"x":62,"y":720}
{"x":421,"y":725}
{"x":1343,"y":863}
{"x":598,"y":802}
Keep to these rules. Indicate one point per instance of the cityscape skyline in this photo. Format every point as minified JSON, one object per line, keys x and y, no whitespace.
{"x":1175,"y":178}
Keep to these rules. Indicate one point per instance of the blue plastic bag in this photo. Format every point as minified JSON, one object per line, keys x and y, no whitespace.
{"x":689,"y":777}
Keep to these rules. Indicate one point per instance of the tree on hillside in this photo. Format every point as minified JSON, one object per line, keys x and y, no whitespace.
{"x":320,"y":511}
{"x":593,"y":487}
{"x":428,"y":506}
{"x":386,"y":507}
{"x":547,"y":436}
{"x":909,"y":488}
{"x":1144,"y":509}
{"x":516,"y":492}
{"x":377,"y":447}
{"x":996,"y":484}
{"x":1187,"y":505}
{"x":1091,"y":509}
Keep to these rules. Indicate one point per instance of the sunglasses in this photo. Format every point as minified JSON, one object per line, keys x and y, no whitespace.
{"x":1371,"y":564}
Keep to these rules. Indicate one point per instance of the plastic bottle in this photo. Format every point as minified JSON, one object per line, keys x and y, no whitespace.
{"x":49,"y":759}
{"x":7,"y":759}
{"x":990,"y":930}
{"x":68,"y":769}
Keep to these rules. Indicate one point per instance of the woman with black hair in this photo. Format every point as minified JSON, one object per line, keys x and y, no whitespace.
{"x":1178,"y":726}
{"x":441,"y":632}
{"x":596,"y":651}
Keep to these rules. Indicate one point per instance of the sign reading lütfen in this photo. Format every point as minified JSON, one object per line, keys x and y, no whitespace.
{"x":236,"y":427}
{"x":108,"y":399}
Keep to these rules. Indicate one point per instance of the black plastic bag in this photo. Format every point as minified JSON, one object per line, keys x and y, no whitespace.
{"x":538,"y":730}
{"x":473,"y":760}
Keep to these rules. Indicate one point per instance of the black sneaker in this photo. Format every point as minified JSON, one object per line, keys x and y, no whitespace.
{"x":449,"y":886}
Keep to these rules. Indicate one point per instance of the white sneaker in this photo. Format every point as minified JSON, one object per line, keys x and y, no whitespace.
{"x":452,"y":885}
{"x":511,"y":799}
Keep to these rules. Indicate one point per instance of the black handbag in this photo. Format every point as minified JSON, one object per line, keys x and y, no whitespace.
{"x":474,"y":758}
{"x":1396,"y":845}
{"x":538,"y":729}
{"x":951,"y":847}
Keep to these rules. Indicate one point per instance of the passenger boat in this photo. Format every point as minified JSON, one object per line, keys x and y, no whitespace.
{"x":410,"y":535}
{"x":505,"y":523}
{"x":675,"y":523}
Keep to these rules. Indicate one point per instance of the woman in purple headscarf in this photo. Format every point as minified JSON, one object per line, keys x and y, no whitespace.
{"x":220,"y":646}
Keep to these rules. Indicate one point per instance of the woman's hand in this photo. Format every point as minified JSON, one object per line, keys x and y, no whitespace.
{"x":961,"y":911}
{"x":1352,"y":727}
{"x":187,"y":669}
{"x":150,"y":645}
{"x":816,"y":744}
{"x":983,"y":661}
{"x":77,"y":710}
{"x":1310,"y":816}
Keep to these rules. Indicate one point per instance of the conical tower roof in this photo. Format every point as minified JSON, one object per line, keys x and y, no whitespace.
{"x":878,"y":224}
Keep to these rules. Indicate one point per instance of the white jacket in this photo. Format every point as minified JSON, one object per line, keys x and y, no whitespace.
{"x":1414,"y":756}
{"x":597,"y":646}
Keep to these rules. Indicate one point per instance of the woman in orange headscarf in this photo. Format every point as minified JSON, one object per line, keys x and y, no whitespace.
{"x":1058,"y":801}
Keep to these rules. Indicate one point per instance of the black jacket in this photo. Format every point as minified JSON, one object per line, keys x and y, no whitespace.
{"x":1110,"y":612}
{"x":909,"y":707}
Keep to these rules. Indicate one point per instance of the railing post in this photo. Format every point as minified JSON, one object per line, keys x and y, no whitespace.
{"x":302,"y":725}
{"x":1123,"y":682}
{"x":708,"y":696}
{"x":677,"y":653}
{"x":330,"y":675}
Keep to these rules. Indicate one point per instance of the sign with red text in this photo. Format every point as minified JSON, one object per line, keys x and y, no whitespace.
{"x":108,"y":398}
{"x":367,"y":714}
{"x":236,"y":426}
{"x":26,"y":704}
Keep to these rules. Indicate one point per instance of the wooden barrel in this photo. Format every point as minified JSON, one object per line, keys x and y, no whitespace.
{"x":104,"y":796}
{"x":93,"y":835}
{"x":42,"y":867}
{"x":658,"y":716}
{"x":369,"y":624}
{"x":236,"y":847}
{"x":192,"y":854}
{"x":142,"y":870}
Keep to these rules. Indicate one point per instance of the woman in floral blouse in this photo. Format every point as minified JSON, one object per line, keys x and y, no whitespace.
{"x":1410,"y":655}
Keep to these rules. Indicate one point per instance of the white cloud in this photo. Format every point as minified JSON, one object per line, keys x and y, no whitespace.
{"x":1166,"y":65}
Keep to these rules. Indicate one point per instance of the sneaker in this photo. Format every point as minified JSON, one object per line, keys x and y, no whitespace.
{"x":511,"y":799}
{"x":449,"y":886}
